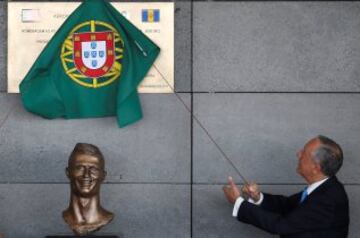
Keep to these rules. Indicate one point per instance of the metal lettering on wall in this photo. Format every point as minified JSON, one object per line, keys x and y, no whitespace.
{"x":32,"y":24}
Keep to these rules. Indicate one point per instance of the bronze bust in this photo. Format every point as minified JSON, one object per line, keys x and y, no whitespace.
{"x":86,"y":172}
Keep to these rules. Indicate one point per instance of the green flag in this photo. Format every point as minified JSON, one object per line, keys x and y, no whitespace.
{"x":91,"y":67}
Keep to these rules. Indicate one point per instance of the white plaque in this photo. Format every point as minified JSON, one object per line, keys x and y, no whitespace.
{"x":32,"y":24}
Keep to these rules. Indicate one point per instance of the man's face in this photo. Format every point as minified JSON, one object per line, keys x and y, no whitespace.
{"x":86,"y":173}
{"x":307,"y":167}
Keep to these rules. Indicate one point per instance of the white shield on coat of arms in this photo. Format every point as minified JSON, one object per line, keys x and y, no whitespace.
{"x":93,"y":54}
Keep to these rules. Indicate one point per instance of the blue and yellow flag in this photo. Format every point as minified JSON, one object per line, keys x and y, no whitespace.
{"x":150,"y":15}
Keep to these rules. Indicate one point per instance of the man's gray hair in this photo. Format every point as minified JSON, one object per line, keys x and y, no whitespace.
{"x":329,"y":155}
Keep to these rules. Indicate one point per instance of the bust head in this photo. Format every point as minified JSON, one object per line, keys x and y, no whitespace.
{"x":86,"y":170}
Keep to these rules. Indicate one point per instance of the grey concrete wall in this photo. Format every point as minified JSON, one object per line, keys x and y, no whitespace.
{"x":276,"y":46}
{"x":32,"y":210}
{"x":262,"y":77}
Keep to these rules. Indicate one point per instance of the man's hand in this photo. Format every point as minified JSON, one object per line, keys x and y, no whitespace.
{"x":231,"y":191}
{"x":251,"y":190}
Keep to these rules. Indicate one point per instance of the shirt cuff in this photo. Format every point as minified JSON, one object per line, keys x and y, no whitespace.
{"x":259,"y":201}
{"x":237,"y":205}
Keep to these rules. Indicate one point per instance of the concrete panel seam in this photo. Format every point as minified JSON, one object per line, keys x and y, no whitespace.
{"x":6,"y":117}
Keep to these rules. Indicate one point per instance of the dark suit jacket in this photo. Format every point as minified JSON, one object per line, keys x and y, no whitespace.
{"x":324,"y":213}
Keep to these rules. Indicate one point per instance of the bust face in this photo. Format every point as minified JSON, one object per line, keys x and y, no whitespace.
{"x":86,"y":174}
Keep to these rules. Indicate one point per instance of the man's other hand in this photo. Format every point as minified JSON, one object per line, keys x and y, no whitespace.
{"x":251,"y":190}
{"x":231,"y":191}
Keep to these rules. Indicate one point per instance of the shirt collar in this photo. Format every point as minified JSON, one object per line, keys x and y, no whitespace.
{"x":315,"y":185}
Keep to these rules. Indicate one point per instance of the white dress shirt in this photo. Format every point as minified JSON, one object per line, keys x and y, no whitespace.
{"x":240,"y":200}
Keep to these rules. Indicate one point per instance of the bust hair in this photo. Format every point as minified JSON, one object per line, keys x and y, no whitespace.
{"x":329,"y":155}
{"x":86,"y":149}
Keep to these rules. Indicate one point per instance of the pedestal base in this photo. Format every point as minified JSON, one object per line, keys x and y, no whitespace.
{"x":83,"y":237}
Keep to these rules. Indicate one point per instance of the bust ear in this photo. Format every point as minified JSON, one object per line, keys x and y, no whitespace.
{"x":104,"y":175}
{"x":67,"y":172}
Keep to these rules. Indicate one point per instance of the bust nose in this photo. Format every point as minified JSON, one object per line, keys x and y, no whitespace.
{"x":86,"y":172}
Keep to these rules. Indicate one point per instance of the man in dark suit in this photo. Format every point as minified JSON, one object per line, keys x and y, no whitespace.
{"x":320,"y":211}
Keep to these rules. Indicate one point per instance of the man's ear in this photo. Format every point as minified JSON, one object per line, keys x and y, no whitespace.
{"x":318,"y":168}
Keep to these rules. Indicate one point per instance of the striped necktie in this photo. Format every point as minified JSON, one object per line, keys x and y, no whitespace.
{"x":303,"y":195}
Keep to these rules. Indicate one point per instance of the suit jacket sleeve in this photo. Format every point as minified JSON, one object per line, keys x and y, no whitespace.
{"x":305,"y":217}
{"x":280,"y":204}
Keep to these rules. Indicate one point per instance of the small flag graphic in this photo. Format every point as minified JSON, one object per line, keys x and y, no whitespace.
{"x":30,"y":15}
{"x":150,"y":15}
